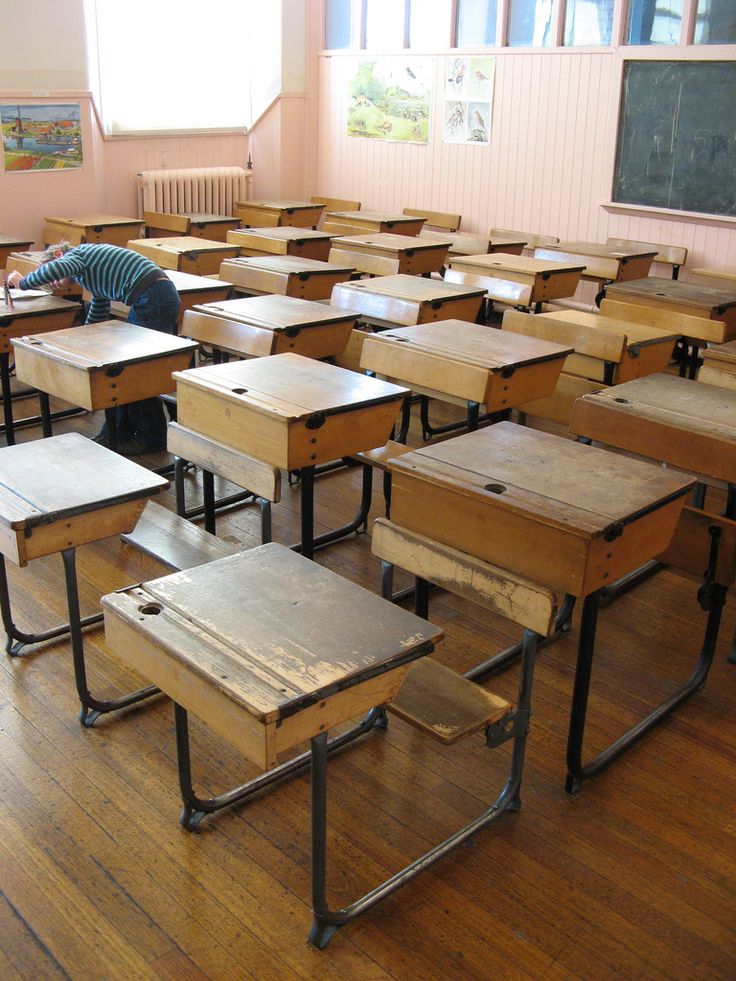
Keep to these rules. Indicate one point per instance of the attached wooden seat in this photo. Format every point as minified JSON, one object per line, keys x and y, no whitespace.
{"x":262,"y":480}
{"x":174,"y":542}
{"x":382,"y":455}
{"x":335,"y":204}
{"x":157,"y":224}
{"x":436,"y":219}
{"x":443,"y":704}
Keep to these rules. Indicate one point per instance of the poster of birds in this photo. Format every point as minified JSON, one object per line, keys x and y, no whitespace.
{"x":468,"y":100}
{"x":389,"y":99}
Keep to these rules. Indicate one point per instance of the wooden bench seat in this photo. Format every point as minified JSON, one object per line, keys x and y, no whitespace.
{"x":382,"y":455}
{"x":443,"y":704}
{"x":174,"y":542}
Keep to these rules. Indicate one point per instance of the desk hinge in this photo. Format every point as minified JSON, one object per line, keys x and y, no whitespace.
{"x":509,"y":727}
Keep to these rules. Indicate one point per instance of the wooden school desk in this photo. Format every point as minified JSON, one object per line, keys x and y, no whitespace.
{"x":267,"y":214}
{"x":257,"y":326}
{"x":92,"y":228}
{"x":388,"y":301}
{"x":307,"y":279}
{"x":303,"y":242}
{"x":516,"y":279}
{"x":719,"y":366}
{"x":293,"y":413}
{"x":603,"y":263}
{"x":567,"y":516}
{"x":57,"y":494}
{"x":274,"y":666}
{"x":195,"y":224}
{"x":723,"y":277}
{"x":464,"y":364}
{"x":384,"y":254}
{"x":532,"y":239}
{"x":101,"y":366}
{"x":674,"y":256}
{"x":185,"y":253}
{"x":27,"y":262}
{"x":684,"y":424}
{"x":30,"y":314}
{"x":371,"y":222}
{"x":464,"y":243}
{"x":606,"y":351}
{"x":10,"y":244}
{"x":702,"y":314}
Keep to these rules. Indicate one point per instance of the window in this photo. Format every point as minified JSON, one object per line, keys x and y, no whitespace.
{"x":202,"y":86}
{"x":654,"y":22}
{"x":429,"y":23}
{"x":385,"y":23}
{"x":588,"y":22}
{"x":339,"y":20}
{"x":476,"y":23}
{"x":530,"y":23}
{"x":715,"y":22}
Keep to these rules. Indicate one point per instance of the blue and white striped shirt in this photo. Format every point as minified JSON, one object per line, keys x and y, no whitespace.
{"x":108,"y":272}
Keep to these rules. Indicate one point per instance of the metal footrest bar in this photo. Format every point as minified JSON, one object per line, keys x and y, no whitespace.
{"x":217,"y":504}
{"x":326,"y":921}
{"x":196,"y":808}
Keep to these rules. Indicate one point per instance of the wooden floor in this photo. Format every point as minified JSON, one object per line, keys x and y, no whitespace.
{"x":633,"y":878}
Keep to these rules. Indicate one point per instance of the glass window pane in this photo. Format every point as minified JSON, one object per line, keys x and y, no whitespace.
{"x":715,"y":22}
{"x":429,"y":24}
{"x":530,"y":23}
{"x":339,"y":23}
{"x":588,"y":22}
{"x":384,"y":24}
{"x":654,"y":22}
{"x":476,"y":23}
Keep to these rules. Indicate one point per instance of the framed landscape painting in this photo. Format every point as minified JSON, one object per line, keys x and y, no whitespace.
{"x":41,"y":137}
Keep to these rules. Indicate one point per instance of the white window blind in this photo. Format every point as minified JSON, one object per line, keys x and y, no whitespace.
{"x":182,"y":65}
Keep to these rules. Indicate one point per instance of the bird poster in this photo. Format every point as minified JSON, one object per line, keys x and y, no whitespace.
{"x":41,"y":137}
{"x":389,"y":99}
{"x":468,"y":100}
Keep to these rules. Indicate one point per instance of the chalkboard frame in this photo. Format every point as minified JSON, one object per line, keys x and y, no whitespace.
{"x":672,"y":151}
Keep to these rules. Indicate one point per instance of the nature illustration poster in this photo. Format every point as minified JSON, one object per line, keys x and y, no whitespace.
{"x":390,"y":100}
{"x":468,"y":100}
{"x":41,"y":137}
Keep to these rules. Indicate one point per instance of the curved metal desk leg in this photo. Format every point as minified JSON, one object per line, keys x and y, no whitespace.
{"x":326,"y":921}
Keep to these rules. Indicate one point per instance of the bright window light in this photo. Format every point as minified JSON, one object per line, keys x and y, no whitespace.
{"x":179,"y":65}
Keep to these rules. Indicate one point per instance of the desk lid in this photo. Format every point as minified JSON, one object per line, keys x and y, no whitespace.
{"x":500,"y":262}
{"x":675,"y":291}
{"x":387,"y":242}
{"x":93,"y":219}
{"x":109,"y":343}
{"x":379,"y":216}
{"x":460,"y":341}
{"x":282,"y":233}
{"x":280,"y":204}
{"x":276,"y":312}
{"x":412,"y":288}
{"x":602,"y":250}
{"x":291,"y":265}
{"x":49,"y":479}
{"x":272,"y":630}
{"x":181,"y":243}
{"x":189,"y":283}
{"x":291,"y":386}
{"x":202,"y":218}
{"x":15,"y":241}
{"x":555,"y":481}
{"x":34,"y":306}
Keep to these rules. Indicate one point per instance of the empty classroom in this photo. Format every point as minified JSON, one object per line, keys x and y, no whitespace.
{"x":412,"y":653}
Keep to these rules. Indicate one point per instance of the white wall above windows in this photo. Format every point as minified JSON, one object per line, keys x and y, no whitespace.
{"x":179,"y":66}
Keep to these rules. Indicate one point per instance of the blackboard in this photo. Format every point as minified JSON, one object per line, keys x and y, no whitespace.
{"x":677,"y":136}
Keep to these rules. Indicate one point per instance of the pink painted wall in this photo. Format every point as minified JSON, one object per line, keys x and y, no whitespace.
{"x":548,"y":168}
{"x":107,"y":182}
